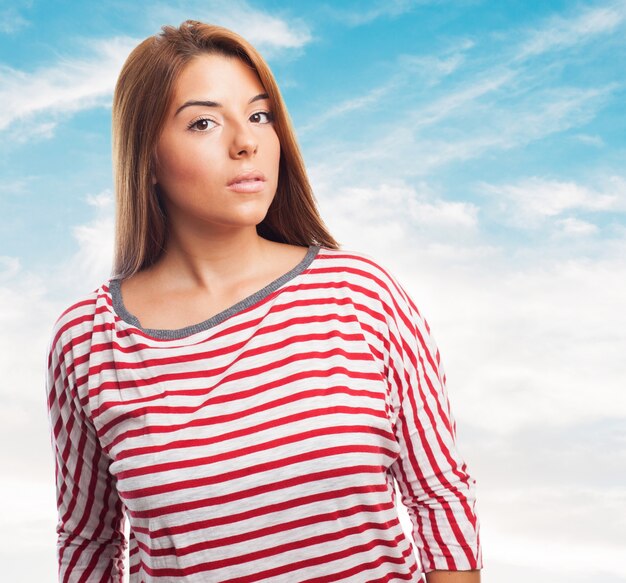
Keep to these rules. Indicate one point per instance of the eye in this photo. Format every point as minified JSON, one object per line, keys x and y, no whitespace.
{"x":269,"y":117}
{"x":201,"y":124}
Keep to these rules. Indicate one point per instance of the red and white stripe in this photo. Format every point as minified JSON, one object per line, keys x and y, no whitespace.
{"x":264,"y":448}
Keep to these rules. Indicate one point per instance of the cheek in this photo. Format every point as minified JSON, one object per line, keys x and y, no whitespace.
{"x":273,"y":146}
{"x":169,"y":163}
{"x":181,"y":162}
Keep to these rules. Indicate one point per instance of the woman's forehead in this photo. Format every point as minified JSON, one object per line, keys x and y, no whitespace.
{"x":212,"y":76}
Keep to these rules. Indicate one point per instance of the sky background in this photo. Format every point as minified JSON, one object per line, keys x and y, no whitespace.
{"x":477,"y":149}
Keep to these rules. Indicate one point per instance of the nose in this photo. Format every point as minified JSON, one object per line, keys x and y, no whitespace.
{"x":244,"y":142}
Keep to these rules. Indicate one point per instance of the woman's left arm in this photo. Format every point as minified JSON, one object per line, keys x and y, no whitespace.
{"x":453,"y":577}
{"x":432,"y":476}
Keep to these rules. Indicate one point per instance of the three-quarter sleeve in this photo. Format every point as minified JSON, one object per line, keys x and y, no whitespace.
{"x":90,"y":526}
{"x":432,"y":477}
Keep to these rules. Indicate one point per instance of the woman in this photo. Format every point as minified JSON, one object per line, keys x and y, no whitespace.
{"x":241,"y":390}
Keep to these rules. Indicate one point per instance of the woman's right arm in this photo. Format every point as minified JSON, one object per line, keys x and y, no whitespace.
{"x":90,"y":526}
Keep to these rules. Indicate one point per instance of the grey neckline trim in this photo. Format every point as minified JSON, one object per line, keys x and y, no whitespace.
{"x":124,"y":314}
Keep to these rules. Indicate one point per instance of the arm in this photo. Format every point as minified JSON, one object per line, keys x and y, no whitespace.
{"x":453,"y":577}
{"x":432,"y":476}
{"x":90,"y":527}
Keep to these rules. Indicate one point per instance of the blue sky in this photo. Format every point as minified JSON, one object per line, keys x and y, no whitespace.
{"x":476,"y":148}
{"x":475,"y":90}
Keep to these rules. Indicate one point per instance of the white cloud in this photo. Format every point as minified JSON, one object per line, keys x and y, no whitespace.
{"x":91,"y":264}
{"x":545,"y":335}
{"x":265,"y":31}
{"x":494,"y":127}
{"x":560,"y":32}
{"x":16,"y":186}
{"x":495,"y":103}
{"x":541,"y":321}
{"x":31,"y":130}
{"x":410,"y":147}
{"x":64,"y":87}
{"x":538,"y":109}
{"x":453,"y":101}
{"x":269,"y":33}
{"x":576,"y":227}
{"x":11,"y":21}
{"x":24,"y":314}
{"x":9,"y":267}
{"x":432,"y":68}
{"x":73,"y":84}
{"x":440,"y":213}
{"x":348,"y":106}
{"x":31,"y":301}
{"x":549,"y":111}
{"x":376,"y":10}
{"x":546,"y":559}
{"x":529,"y":202}
{"x":30,"y":517}
{"x":410,"y":71}
{"x":396,"y":210}
{"x":592,"y":140}
{"x":498,"y":106}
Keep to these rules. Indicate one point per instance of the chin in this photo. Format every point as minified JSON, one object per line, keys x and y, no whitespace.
{"x":248,"y":219}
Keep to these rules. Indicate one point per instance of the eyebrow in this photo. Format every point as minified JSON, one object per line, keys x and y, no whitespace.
{"x":207,"y":103}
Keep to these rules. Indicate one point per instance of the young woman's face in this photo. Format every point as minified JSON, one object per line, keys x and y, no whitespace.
{"x":203,"y":148}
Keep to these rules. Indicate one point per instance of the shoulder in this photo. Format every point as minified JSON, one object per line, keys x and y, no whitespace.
{"x":372,"y":272}
{"x":76,"y":319}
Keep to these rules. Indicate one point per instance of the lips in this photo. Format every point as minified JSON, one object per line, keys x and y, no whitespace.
{"x":250,"y":176}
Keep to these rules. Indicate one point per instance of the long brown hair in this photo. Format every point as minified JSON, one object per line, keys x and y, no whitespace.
{"x":141,"y":99}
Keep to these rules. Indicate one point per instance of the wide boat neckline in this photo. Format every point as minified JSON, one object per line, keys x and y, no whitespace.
{"x":167,"y":334}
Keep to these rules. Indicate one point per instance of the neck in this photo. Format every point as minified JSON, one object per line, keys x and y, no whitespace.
{"x":212,"y":259}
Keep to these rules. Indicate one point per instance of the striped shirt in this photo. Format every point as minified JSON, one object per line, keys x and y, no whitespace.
{"x":262,"y":444}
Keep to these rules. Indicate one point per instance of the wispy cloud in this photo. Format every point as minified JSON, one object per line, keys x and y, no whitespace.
{"x":372,"y":97}
{"x":556,"y":33}
{"x":562,"y":32}
{"x":410,"y":70}
{"x":576,"y":227}
{"x":529,"y":202}
{"x":405,"y":206}
{"x":534,"y":116}
{"x":264,"y":30}
{"x":73,"y":84}
{"x":592,"y":140}
{"x":376,"y":10}
{"x":9,"y":267}
{"x":17,"y":186}
{"x":496,"y":101}
{"x":31,"y":130}
{"x":11,"y":21}
{"x":269,"y":33}
{"x":94,"y":239}
{"x":67,"y":86}
{"x":555,"y":558}
{"x":431,"y":69}
{"x":454,"y":101}
{"x":429,"y":138}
